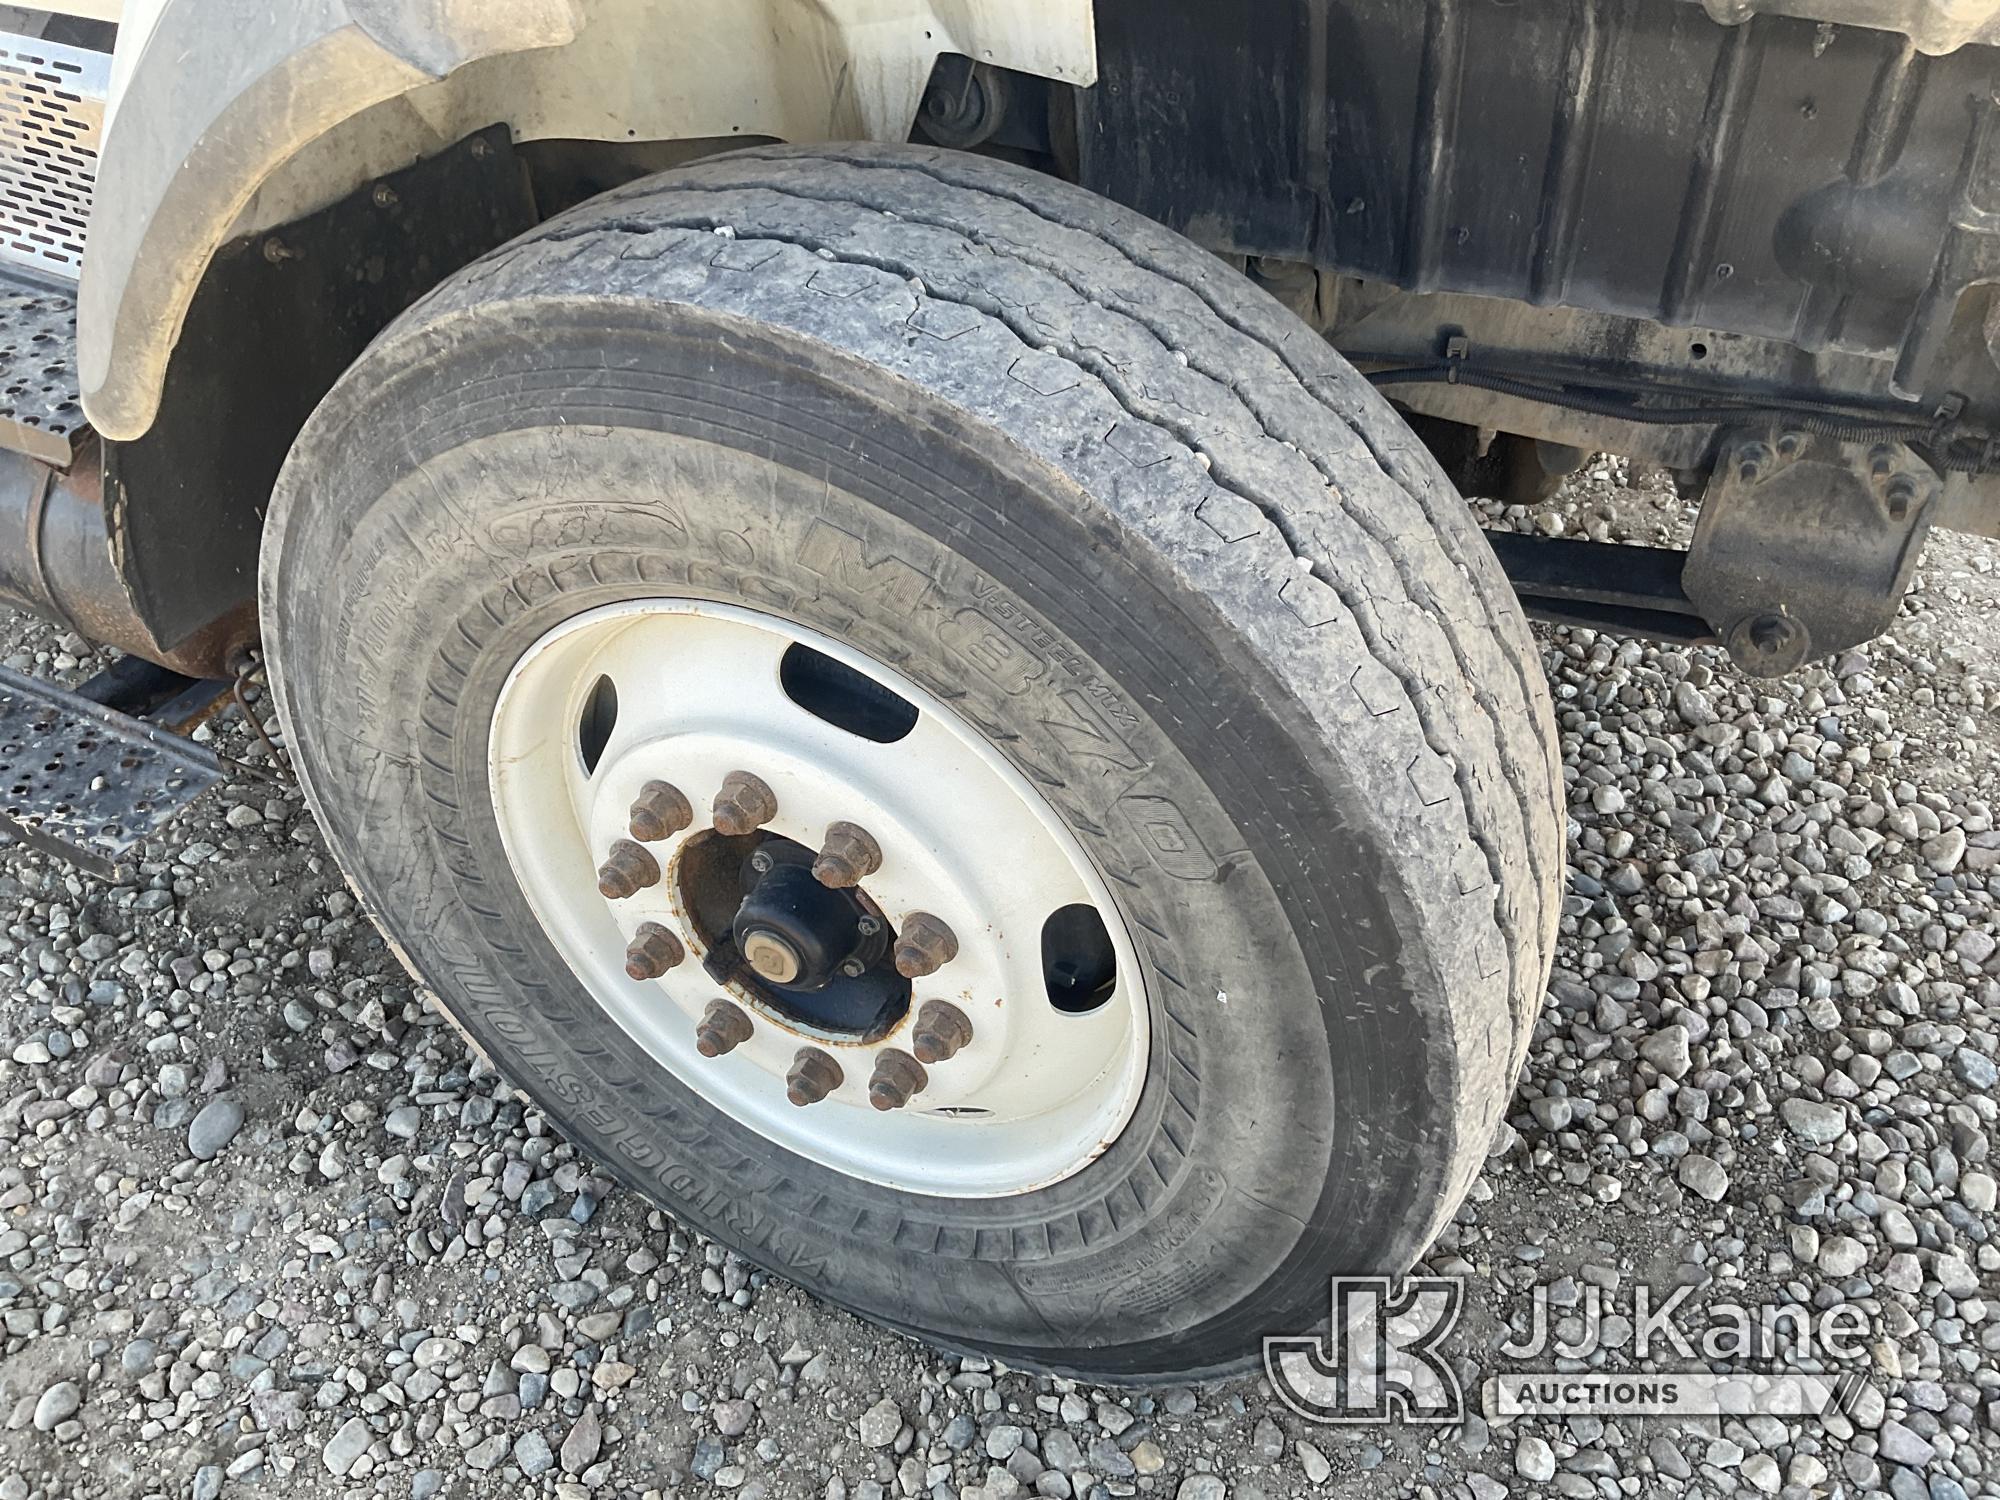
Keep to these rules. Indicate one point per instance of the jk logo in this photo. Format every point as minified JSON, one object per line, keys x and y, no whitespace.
{"x":1379,"y":1359}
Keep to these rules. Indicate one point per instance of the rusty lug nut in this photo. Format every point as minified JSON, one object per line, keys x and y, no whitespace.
{"x":723,"y":1028}
{"x":745,"y":803}
{"x":652,"y":951}
{"x":814,"y":1075}
{"x":940,"y":1032}
{"x":849,"y":856}
{"x":626,"y":871}
{"x":898,"y":1078}
{"x":659,"y":812}
{"x":924,"y":946}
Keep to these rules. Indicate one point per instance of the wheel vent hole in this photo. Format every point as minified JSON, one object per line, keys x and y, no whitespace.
{"x":1079,"y":965}
{"x":600,"y":717}
{"x":847,"y":699}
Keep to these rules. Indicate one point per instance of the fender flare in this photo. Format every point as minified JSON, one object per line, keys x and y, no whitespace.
{"x":219,"y":104}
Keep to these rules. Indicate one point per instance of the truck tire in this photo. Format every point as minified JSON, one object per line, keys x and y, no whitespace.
{"x":925,"y":486}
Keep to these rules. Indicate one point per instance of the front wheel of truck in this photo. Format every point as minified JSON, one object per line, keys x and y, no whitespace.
{"x":944,"y":737}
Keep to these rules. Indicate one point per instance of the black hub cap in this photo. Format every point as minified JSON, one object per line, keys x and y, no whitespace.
{"x":818,"y":956}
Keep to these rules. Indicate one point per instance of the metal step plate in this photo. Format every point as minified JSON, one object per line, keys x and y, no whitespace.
{"x":85,"y":782}
{"x":41,"y":413}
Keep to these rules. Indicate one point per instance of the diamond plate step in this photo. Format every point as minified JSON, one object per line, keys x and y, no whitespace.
{"x":85,"y":782}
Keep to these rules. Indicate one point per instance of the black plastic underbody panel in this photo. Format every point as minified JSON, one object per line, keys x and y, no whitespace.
{"x":1778,"y":178}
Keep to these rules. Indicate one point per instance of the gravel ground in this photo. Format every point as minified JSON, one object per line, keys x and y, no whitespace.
{"x":267,"y":1228}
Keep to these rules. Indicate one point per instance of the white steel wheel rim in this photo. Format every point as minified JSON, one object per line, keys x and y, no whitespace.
{"x":1036,"y":1095}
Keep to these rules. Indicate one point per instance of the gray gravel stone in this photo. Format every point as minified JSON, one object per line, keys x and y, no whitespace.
{"x":531,"y":1454}
{"x":1821,"y":1124}
{"x":1704,"y":1176}
{"x":56,"y":1405}
{"x":214,"y":1127}
{"x":1534,"y":1460}
{"x":880,"y":1423}
{"x":1900,"y":1445}
{"x":346,"y":1446}
{"x":1667,"y":1050}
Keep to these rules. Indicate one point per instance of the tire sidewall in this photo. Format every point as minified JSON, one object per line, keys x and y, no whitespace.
{"x":486,"y":506}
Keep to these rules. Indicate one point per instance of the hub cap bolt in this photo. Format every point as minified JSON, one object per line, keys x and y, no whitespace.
{"x":941,"y":1030}
{"x":898,"y":1077}
{"x":849,"y":856}
{"x":652,"y":951}
{"x":626,"y":871}
{"x":924,"y":946}
{"x":814,"y":1075}
{"x":660,"y":812}
{"x":723,"y":1028}
{"x":744,"y":804}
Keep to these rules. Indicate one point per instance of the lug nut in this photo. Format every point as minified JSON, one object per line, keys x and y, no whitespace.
{"x":659,"y":812}
{"x":745,"y":803}
{"x":940,"y":1032}
{"x":849,"y":856}
{"x":898,"y":1078}
{"x":626,"y":871}
{"x":814,"y":1075}
{"x":723,"y":1028}
{"x":924,"y":946}
{"x":652,"y":951}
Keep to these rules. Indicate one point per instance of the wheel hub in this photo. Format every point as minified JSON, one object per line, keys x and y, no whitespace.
{"x":880,"y":910}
